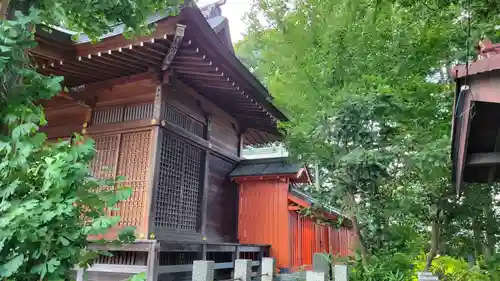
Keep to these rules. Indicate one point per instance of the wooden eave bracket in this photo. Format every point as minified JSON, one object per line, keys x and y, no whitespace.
{"x":172,"y":51}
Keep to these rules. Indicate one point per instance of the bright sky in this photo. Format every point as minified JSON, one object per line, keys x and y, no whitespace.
{"x":233,"y":10}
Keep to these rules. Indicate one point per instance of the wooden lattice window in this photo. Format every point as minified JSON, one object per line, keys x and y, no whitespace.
{"x":122,"y":113}
{"x":127,"y":155}
{"x":178,"y":194}
{"x":183,"y":120}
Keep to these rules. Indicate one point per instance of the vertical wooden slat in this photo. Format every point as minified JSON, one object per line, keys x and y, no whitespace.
{"x":204,"y":198}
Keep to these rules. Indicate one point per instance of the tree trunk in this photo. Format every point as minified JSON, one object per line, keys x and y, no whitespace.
{"x":434,"y":241}
{"x":4,"y":8}
{"x":361,"y":243}
{"x":357,"y":230}
{"x":477,"y":237}
{"x":489,"y":229}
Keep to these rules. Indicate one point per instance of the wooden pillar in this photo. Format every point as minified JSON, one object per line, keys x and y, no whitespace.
{"x":204,"y":200}
{"x":88,"y":116}
{"x":153,"y":261}
{"x":159,"y":106}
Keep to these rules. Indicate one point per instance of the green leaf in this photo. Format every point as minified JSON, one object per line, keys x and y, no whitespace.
{"x":52,"y":265}
{"x":11,"y":266}
{"x":138,"y":277}
{"x":23,"y":130}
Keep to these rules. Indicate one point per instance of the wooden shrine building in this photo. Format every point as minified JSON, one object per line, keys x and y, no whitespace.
{"x":171,"y":113}
{"x":476,"y":118}
{"x":269,"y":196}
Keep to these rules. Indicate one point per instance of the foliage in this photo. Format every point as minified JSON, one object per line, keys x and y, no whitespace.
{"x":371,"y":103}
{"x":49,"y":202}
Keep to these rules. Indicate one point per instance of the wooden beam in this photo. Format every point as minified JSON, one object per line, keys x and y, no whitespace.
{"x":119,"y":127}
{"x":117,"y":268}
{"x":195,"y":69}
{"x":137,"y":246}
{"x":493,"y":169}
{"x":193,"y":63}
{"x":186,"y":71}
{"x":483,"y":159}
{"x":48,"y":53}
{"x":90,"y":89}
{"x":179,"y":35}
{"x":179,"y":247}
{"x":163,"y":29}
{"x":246,"y":249}
{"x":107,"y":63}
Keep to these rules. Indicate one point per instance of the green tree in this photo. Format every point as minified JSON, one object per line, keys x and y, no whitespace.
{"x":367,"y":89}
{"x":49,"y":201}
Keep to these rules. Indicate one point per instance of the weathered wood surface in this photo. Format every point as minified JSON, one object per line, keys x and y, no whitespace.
{"x":222,"y":214}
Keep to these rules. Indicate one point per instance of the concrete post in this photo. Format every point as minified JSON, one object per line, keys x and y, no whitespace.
{"x":79,"y":274}
{"x":203,"y":270}
{"x":321,"y":264}
{"x":243,"y":270}
{"x":426,"y":276}
{"x":315,"y":276}
{"x":341,"y":272}
{"x":268,"y":266}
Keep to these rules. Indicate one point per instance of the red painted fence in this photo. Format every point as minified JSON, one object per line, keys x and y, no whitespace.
{"x":308,"y":238}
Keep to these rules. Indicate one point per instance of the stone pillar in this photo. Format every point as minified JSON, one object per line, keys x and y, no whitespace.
{"x":268,"y":266}
{"x":243,"y":270}
{"x":341,"y":272}
{"x":203,"y":270}
{"x":321,"y":264}
{"x":315,"y":276}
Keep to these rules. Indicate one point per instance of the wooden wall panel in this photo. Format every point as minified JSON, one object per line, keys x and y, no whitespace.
{"x":224,"y":134}
{"x":126,"y":94}
{"x":186,"y":103}
{"x":105,"y":160}
{"x":222,"y":211}
{"x":224,"y":128}
{"x":127,"y":155}
{"x":133,"y":163}
{"x":64,"y":117}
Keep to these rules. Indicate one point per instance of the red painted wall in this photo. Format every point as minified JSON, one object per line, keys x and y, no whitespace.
{"x":308,"y":238}
{"x":263,"y":216}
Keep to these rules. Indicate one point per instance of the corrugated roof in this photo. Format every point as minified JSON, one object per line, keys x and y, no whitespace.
{"x":488,"y":60}
{"x":261,"y":167}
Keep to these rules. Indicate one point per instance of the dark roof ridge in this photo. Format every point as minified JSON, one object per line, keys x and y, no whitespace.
{"x":272,"y":160}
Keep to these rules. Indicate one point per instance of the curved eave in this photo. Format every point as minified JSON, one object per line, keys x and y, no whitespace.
{"x":263,"y":95}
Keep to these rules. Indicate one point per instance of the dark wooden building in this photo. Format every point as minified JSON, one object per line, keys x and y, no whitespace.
{"x":476,"y":115}
{"x":170,"y":112}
